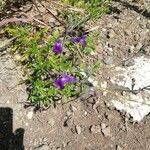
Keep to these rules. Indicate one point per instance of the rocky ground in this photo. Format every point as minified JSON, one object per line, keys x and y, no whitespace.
{"x":87,"y":124}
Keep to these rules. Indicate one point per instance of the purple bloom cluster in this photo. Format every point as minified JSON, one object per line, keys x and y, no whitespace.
{"x":58,"y":49}
{"x":81,"y":40}
{"x":58,"y":46}
{"x":64,"y":79}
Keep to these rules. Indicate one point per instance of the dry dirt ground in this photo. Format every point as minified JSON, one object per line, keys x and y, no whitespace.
{"x":87,"y":124}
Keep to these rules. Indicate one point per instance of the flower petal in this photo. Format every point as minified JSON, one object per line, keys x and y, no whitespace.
{"x":58,"y":47}
{"x":76,"y":39}
{"x":67,"y":79}
{"x":81,"y":40}
{"x":59,"y":84}
{"x":64,"y":79}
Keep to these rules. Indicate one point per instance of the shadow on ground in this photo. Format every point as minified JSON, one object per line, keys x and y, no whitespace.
{"x":8,"y":139}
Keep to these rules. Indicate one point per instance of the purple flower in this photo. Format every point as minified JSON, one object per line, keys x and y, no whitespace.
{"x":64,"y":79}
{"x":57,"y":49}
{"x":81,"y":40}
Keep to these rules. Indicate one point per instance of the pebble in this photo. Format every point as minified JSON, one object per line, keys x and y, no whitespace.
{"x":139,"y":46}
{"x":73,"y":108}
{"x":78,"y":129}
{"x":109,"y":116}
{"x":85,"y":113}
{"x":105,"y":130}
{"x":131,"y":49}
{"x":103,"y":84}
{"x":119,"y":147}
{"x":51,"y":122}
{"x":30,"y":115}
{"x":69,"y":113}
{"x":128,"y":32}
{"x":44,"y":147}
{"x":108,"y":60}
{"x":103,"y":125}
{"x":111,"y":34}
{"x":148,"y":25}
{"x":68,"y":122}
{"x":95,"y":129}
{"x":128,"y":63}
{"x":147,"y":49}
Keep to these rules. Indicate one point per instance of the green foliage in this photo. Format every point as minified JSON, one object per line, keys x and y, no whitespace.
{"x":94,"y":8}
{"x":43,"y":66}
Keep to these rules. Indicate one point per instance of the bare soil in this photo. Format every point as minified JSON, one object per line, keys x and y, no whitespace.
{"x":87,"y":124}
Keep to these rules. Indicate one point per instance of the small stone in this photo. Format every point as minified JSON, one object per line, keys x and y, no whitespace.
{"x":51,"y":122}
{"x":30,"y":115}
{"x":111,"y":34}
{"x":131,"y":49}
{"x":95,"y":129}
{"x":17,"y":57}
{"x":103,"y":125}
{"x":8,"y":102}
{"x":78,"y":129}
{"x":69,"y":113}
{"x":118,"y":147}
{"x":65,"y":144}
{"x":44,"y":147}
{"x":128,"y":63}
{"x":68,"y":122}
{"x":139,"y":46}
{"x":51,"y":20}
{"x":105,"y":130}
{"x":41,"y":9}
{"x":103,"y":84}
{"x":128,"y":32}
{"x":104,"y":30}
{"x":138,"y":18}
{"x":108,"y":60}
{"x":58,"y":148}
{"x":147,"y":49}
{"x":109,"y":116}
{"x":73,"y":108}
{"x":148,"y":25}
{"x":85,"y":113}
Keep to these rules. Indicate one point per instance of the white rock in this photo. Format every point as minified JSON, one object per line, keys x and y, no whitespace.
{"x":106,"y":131}
{"x":85,"y":113}
{"x":30,"y":115}
{"x":78,"y":129}
{"x":103,"y":125}
{"x":119,"y":147}
{"x":51,"y":122}
{"x":95,"y":129}
{"x":138,"y":106}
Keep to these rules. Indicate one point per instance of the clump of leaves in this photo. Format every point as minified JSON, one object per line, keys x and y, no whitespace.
{"x":94,"y":8}
{"x":53,"y":63}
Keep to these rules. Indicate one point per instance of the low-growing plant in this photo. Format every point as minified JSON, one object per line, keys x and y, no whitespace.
{"x":57,"y":63}
{"x":53,"y":63}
